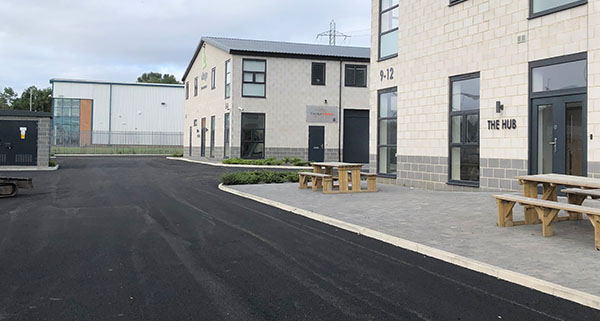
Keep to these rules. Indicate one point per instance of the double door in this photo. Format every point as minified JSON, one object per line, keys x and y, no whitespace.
{"x":559,"y":135}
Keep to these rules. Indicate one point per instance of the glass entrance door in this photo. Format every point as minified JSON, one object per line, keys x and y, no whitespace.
{"x":558,"y":136}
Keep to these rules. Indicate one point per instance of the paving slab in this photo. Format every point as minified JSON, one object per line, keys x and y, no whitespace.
{"x":460,"y":223}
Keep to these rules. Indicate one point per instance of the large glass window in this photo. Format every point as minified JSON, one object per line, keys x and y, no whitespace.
{"x":464,"y":129}
{"x":254,"y":78}
{"x":356,"y":76}
{"x":559,"y":76}
{"x":253,"y":135}
{"x":66,"y":121}
{"x":388,"y":28}
{"x":318,"y":74}
{"x":387,"y":124}
{"x":228,"y":79}
{"x":541,"y":7}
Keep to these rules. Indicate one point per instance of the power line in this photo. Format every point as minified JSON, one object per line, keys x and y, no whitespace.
{"x":332,"y":34}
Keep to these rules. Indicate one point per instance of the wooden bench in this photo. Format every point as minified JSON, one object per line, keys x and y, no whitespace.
{"x":371,"y":181}
{"x":577,"y":196}
{"x":546,"y":210}
{"x":316,"y":180}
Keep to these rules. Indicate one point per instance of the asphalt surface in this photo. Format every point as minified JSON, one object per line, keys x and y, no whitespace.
{"x":152,"y":239}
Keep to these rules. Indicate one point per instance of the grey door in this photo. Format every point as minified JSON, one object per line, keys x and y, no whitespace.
{"x":356,"y":136}
{"x":18,"y":143}
{"x":558,"y":137}
{"x":316,"y":143}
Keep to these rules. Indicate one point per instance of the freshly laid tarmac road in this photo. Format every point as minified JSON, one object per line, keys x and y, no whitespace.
{"x":151,"y":239}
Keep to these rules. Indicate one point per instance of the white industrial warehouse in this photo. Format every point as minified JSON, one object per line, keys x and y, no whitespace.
{"x":116,"y":113}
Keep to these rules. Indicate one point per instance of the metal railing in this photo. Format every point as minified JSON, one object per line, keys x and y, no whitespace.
{"x":104,"y":142}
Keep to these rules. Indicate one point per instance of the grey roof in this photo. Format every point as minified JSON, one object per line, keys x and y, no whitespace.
{"x":246,"y":46}
{"x":102,"y":82}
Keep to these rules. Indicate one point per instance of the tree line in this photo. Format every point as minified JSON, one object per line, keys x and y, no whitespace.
{"x":41,"y":99}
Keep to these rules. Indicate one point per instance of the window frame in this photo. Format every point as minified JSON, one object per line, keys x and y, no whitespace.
{"x":254,"y":73}
{"x":187,"y":90}
{"x":379,"y":118}
{"x":355,"y":67}
{"x":533,"y":15}
{"x":380,"y":33}
{"x":213,"y":120}
{"x":312,"y":74}
{"x":226,"y":134}
{"x":227,"y":73}
{"x":213,"y":78}
{"x":464,"y":115}
{"x":195,"y":86}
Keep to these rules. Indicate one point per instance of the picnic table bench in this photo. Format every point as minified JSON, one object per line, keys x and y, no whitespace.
{"x":347,"y":173}
{"x":316,"y":180}
{"x":546,"y":209}
{"x":547,"y":212}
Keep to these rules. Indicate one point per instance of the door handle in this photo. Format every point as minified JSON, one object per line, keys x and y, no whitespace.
{"x":554,"y":143}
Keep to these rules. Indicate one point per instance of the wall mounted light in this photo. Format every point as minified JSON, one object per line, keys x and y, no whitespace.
{"x":499,"y":107}
{"x":163,"y":103}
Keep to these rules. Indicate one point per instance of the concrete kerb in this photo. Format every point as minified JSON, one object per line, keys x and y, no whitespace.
{"x":240,"y":165}
{"x":474,"y":265}
{"x":29,"y":169}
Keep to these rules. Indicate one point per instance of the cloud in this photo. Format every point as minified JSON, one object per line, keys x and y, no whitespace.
{"x":120,"y":39}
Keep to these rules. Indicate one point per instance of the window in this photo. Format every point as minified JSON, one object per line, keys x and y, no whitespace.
{"x":212,"y":136}
{"x":542,"y":7}
{"x":213,"y":75}
{"x":195,"y":86}
{"x":318,"y":73}
{"x":356,"y":76}
{"x":254,"y":78}
{"x":387,"y":124}
{"x":464,"y":130}
{"x":228,"y":79}
{"x":560,"y":76}
{"x":253,"y":135}
{"x":195,"y":122}
{"x":226,"y":136}
{"x":187,"y":90}
{"x":388,"y":28}
{"x":66,"y":121}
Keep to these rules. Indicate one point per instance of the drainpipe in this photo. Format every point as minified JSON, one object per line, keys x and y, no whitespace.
{"x":340,"y":117}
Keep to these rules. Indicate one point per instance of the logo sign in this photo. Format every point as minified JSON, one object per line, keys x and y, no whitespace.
{"x":321,"y":114}
{"x":23,"y":131}
{"x":504,"y":124}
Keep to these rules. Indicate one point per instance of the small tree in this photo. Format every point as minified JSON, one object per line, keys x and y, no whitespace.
{"x":41,"y":99}
{"x":7,"y":98}
{"x":157,"y":78}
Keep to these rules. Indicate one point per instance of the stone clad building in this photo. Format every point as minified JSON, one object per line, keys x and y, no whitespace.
{"x":260,"y":99}
{"x":467,"y":94}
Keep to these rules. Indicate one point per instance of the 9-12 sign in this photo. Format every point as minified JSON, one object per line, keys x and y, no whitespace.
{"x":387,"y":74}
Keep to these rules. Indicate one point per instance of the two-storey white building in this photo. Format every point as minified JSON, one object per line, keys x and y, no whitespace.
{"x":470,"y":93}
{"x":260,"y":99}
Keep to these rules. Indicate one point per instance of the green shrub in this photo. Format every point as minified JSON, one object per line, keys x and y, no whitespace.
{"x":177,"y":155}
{"x":272,"y":161}
{"x":259,"y":177}
{"x":52,"y":163}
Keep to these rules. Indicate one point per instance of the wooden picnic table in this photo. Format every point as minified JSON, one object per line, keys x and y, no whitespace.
{"x":343,"y":169}
{"x":550,"y":184}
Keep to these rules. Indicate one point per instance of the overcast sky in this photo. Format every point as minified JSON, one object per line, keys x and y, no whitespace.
{"x":118,"y":40}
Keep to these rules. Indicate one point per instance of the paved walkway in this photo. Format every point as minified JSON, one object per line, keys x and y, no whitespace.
{"x":460,"y":223}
